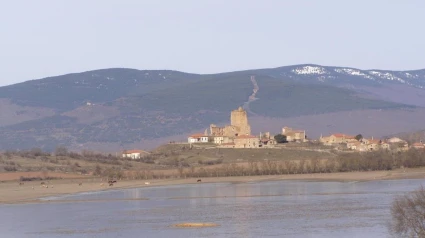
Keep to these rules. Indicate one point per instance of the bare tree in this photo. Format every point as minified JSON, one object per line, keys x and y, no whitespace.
{"x":61,"y":151}
{"x":97,"y":170}
{"x":192,"y":171}
{"x":37,"y":152}
{"x":180,"y":170}
{"x":301,"y":166}
{"x":408,"y":215}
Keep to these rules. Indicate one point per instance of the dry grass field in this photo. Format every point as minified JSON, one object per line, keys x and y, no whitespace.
{"x":26,"y":176}
{"x":173,"y":161}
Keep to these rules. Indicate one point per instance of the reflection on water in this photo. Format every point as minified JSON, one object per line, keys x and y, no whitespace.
{"x":278,"y":209}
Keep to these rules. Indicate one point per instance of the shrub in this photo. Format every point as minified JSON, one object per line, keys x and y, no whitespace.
{"x":83,"y":171}
{"x":184,"y":164}
{"x":37,"y":152}
{"x":44,"y":159}
{"x":74,"y":155}
{"x":127,"y":165}
{"x":54,"y":161}
{"x":212,"y":162}
{"x":149,"y":159}
{"x":61,"y":151}
{"x":408,"y":215}
{"x":50,"y":168}
{"x":22,"y":178}
{"x":97,"y":170}
{"x":10,"y":168}
{"x":280,"y":138}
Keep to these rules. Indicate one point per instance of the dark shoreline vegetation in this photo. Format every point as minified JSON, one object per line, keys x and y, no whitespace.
{"x":169,"y":164}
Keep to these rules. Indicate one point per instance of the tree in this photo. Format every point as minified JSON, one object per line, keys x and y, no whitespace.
{"x":408,"y":215}
{"x":61,"y":151}
{"x":359,"y":137}
{"x":279,"y":138}
{"x":180,"y":170}
{"x":36,"y":152}
{"x":97,"y":170}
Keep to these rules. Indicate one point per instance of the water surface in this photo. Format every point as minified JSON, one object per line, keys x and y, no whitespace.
{"x":264,"y":209}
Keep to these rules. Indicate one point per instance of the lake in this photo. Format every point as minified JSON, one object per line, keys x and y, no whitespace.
{"x":261,"y":209}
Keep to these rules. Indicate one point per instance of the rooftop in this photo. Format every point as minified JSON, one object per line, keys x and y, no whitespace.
{"x":197,"y":135}
{"x":374,"y":141}
{"x":134,"y":151}
{"x":339,"y":135}
{"x":246,"y":137}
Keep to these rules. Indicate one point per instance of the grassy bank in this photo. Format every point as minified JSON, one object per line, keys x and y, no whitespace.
{"x":182,"y":161}
{"x":30,"y":192}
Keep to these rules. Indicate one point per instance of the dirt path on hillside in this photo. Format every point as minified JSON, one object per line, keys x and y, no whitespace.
{"x":252,"y":97}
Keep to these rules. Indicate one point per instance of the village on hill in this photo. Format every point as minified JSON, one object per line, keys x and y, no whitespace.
{"x":238,"y":135}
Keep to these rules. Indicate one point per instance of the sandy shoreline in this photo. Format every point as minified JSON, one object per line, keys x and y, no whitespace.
{"x":30,"y":192}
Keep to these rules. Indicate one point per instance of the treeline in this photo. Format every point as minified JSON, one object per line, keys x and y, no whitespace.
{"x":61,"y":160}
{"x":346,"y":162}
{"x":63,"y":153}
{"x":122,"y":169}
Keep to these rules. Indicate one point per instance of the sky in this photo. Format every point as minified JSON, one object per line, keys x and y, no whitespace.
{"x":54,"y":37}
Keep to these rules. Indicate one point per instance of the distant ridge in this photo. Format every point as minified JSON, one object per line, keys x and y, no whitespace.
{"x":123,"y":107}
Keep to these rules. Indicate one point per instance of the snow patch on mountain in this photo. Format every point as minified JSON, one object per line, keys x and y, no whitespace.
{"x":309,"y":70}
{"x":387,"y":76}
{"x":322,"y":78}
{"x":409,"y":75}
{"x":354,"y":72}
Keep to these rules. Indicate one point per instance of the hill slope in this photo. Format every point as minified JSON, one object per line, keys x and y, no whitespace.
{"x":126,"y":106}
{"x":411,"y":137}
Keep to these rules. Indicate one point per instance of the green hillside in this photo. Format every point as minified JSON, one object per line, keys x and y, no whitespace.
{"x":288,"y":99}
{"x":136,"y":105}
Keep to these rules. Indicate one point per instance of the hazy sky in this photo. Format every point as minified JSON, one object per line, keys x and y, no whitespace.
{"x":52,"y":37}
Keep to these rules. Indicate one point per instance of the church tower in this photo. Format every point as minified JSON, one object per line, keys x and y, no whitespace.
{"x":239,"y":119}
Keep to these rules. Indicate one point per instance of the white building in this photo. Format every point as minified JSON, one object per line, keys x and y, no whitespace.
{"x":134,"y":154}
{"x":395,"y":140}
{"x":221,"y":139}
{"x":197,"y":138}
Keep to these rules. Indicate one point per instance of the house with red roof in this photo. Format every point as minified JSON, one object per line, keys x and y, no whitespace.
{"x":418,"y":145}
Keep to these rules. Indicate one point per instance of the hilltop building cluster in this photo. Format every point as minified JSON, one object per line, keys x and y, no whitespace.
{"x":235,"y":135}
{"x":365,"y":144}
{"x":238,"y":135}
{"x":238,"y":125}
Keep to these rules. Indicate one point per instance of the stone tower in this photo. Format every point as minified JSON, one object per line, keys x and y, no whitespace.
{"x":239,"y":119}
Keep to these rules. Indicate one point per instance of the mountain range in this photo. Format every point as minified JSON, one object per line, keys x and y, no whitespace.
{"x":114,"y":109}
